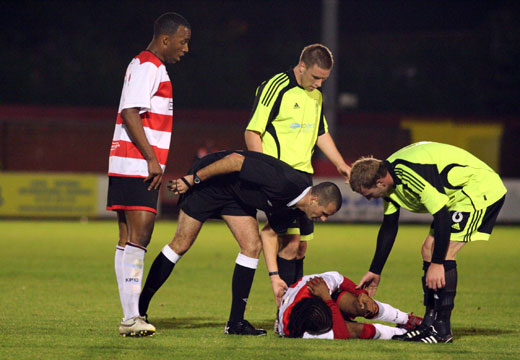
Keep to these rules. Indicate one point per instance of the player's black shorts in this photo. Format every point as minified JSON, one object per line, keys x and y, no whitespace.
{"x":131,"y":193}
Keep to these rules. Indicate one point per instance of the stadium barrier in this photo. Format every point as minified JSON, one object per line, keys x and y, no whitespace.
{"x":67,"y":195}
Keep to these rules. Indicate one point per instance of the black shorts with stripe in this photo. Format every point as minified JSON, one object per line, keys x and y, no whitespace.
{"x":131,"y":193}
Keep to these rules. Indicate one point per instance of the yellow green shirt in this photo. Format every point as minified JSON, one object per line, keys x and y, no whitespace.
{"x":429,"y":175}
{"x":289,"y":120}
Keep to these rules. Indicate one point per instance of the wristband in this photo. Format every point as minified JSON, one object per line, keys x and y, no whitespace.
{"x":271,"y":273}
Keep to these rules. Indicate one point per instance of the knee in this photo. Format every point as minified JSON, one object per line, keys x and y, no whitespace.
{"x":302,"y":249}
{"x":140,"y":236}
{"x":180,"y":244}
{"x":290,"y":246}
{"x":252,"y":249}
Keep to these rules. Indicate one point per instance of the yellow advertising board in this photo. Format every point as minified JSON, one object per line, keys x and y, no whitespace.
{"x":48,"y":195}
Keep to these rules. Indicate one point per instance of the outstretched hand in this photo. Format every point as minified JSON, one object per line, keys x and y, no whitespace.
{"x":279,"y":287}
{"x":178,"y":186}
{"x":345,"y":171}
{"x":318,"y":287}
{"x":369,"y":282}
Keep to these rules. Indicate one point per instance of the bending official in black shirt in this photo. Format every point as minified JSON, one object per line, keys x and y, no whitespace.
{"x":232,"y":185}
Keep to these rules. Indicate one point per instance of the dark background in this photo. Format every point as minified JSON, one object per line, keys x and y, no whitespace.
{"x":425,"y":57}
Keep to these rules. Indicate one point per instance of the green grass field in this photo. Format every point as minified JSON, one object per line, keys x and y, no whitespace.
{"x":59,"y":297}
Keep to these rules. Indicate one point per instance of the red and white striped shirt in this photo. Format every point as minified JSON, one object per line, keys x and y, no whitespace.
{"x":146,"y":86}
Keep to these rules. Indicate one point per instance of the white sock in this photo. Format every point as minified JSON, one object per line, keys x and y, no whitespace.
{"x":384,"y":332}
{"x":170,"y":254}
{"x":133,"y":265}
{"x":118,"y":261}
{"x":246,"y":261}
{"x":390,"y":314}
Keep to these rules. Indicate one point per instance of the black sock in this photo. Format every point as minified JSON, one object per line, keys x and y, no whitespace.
{"x":159,"y":272}
{"x":287,"y":270}
{"x":299,"y":269}
{"x":240,"y":288}
{"x":429,"y":301}
{"x":445,"y":303}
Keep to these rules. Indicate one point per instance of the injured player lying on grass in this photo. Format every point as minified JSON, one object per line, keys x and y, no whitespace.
{"x":318,"y":305}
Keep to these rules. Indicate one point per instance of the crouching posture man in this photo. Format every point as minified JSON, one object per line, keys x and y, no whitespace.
{"x":317,"y":306}
{"x":232,"y":185}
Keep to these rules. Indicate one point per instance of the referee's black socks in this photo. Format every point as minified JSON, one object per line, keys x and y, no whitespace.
{"x":160,"y":270}
{"x":245,"y":268}
{"x":287,"y":270}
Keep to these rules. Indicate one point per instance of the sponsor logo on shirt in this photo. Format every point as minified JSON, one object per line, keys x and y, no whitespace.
{"x":115,"y":145}
{"x":306,"y":127}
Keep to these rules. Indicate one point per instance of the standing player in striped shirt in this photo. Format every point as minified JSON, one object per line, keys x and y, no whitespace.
{"x":138,"y":157}
{"x":463,"y":194}
{"x":288,"y":122}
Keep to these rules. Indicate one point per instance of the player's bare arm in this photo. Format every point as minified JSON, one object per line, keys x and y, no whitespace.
{"x":231,"y":163}
{"x":328,"y":147}
{"x":253,"y":141}
{"x":134,"y":126}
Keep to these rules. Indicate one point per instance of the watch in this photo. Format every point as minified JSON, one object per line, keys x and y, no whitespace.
{"x":196,"y":179}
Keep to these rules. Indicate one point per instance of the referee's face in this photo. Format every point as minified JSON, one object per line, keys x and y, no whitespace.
{"x":312,"y":77}
{"x":317,"y":212}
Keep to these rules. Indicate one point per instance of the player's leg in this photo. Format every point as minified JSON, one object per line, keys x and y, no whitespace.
{"x":372,"y":331}
{"x":287,"y":255}
{"x":139,"y":227}
{"x":428,"y":294}
{"x":187,"y":230}
{"x":245,"y":231}
{"x":350,"y":308}
{"x":120,"y":248}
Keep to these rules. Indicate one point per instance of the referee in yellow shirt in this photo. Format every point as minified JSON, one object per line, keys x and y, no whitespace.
{"x":287,"y":122}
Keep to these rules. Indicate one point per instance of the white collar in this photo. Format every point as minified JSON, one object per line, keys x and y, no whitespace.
{"x":295,"y":201}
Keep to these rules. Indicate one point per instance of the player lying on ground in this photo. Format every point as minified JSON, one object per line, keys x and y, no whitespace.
{"x":317,"y":306}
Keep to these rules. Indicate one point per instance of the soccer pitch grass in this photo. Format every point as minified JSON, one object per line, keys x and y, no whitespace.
{"x":59,"y":297}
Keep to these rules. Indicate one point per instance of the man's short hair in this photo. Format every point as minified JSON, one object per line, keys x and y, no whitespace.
{"x":327,"y":193}
{"x":168,"y":23}
{"x":365,"y":172}
{"x":317,"y":54}
{"x":310,"y":315}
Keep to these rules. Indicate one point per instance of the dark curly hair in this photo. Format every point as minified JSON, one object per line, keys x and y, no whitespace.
{"x":310,"y":315}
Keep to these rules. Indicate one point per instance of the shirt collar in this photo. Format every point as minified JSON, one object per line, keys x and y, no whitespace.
{"x":390,"y":168}
{"x":295,"y":201}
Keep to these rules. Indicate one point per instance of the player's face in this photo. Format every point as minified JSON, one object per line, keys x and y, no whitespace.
{"x":317,"y":212}
{"x":177,"y":45}
{"x":378,"y":191}
{"x":312,"y":77}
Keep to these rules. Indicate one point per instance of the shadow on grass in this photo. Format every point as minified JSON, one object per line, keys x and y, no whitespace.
{"x":464,"y":332}
{"x":200,"y":322}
